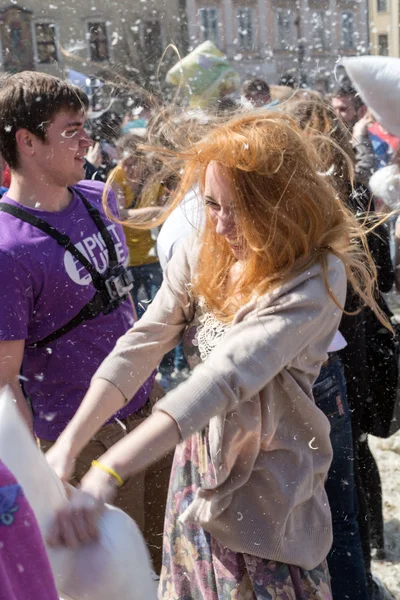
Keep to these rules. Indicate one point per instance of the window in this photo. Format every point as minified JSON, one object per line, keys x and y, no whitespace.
{"x":348,"y":30}
{"x":98,"y":42}
{"x":46,"y":43}
{"x":245,"y":28}
{"x":382,"y":5}
{"x":152,"y":41}
{"x":209,"y":24}
{"x":383,"y":44}
{"x":284,"y":29}
{"x":318,"y":30}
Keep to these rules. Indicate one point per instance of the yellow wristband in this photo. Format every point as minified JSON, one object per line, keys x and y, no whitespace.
{"x":109,"y":470}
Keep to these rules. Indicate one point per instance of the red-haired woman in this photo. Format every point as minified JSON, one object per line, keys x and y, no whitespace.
{"x":256,"y":299}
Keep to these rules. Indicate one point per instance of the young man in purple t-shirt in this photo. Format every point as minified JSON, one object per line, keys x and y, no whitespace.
{"x":44,"y":283}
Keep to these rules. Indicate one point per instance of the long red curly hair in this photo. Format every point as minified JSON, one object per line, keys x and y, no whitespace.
{"x":288,"y":213}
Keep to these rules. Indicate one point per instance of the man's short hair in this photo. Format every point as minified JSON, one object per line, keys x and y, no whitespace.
{"x":30,"y":100}
{"x":289,"y":80}
{"x":255,"y":86}
{"x":343,"y":88}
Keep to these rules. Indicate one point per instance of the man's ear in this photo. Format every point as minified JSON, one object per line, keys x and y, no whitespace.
{"x":361,"y":112}
{"x":25,"y":142}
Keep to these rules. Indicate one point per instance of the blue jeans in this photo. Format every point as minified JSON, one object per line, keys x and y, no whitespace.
{"x":147,"y":280}
{"x":345,"y":560}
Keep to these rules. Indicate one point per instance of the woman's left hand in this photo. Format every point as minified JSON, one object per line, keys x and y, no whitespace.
{"x":77,"y":523}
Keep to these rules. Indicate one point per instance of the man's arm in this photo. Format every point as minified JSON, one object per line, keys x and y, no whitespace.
{"x":11,"y":355}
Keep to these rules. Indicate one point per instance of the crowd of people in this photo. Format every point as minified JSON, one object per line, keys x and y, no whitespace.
{"x":194,"y":325}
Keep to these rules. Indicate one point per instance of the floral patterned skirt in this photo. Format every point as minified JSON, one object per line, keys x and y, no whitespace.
{"x":197,"y":567}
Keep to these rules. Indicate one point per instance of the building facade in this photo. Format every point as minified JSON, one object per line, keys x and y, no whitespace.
{"x":270,"y":38}
{"x":384,"y":27}
{"x":267,"y":38}
{"x":89,"y":36}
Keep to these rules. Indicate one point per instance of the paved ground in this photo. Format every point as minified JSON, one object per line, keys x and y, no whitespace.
{"x":387,"y":454}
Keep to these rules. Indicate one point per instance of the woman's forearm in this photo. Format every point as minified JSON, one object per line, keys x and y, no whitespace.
{"x":102,"y":400}
{"x":77,"y":522}
{"x":148,"y":443}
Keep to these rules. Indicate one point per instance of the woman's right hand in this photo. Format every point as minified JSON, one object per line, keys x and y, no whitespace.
{"x":78,"y":522}
{"x":61,"y":462}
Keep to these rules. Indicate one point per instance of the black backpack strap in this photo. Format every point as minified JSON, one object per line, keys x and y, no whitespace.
{"x":100,"y":303}
{"x":111,"y":290}
{"x":59,"y":237}
{"x":94,"y":213}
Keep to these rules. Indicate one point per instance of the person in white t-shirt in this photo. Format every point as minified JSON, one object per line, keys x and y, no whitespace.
{"x":184,"y":220}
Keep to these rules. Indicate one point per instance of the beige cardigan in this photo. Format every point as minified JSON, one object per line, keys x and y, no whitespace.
{"x":269,"y":443}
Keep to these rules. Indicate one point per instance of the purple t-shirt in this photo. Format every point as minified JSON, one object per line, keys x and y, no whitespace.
{"x":42,"y":288}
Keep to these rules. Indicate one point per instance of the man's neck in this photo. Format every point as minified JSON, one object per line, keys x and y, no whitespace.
{"x":38,"y":193}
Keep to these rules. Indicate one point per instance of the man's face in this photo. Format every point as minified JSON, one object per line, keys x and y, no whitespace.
{"x":61,"y":156}
{"x":345,"y":109}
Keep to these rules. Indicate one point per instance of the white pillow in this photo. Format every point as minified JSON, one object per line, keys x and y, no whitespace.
{"x":117,"y":566}
{"x":377,"y":79}
{"x":385,"y":184}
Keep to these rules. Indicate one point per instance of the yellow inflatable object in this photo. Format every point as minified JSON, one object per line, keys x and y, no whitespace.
{"x":206,"y":73}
